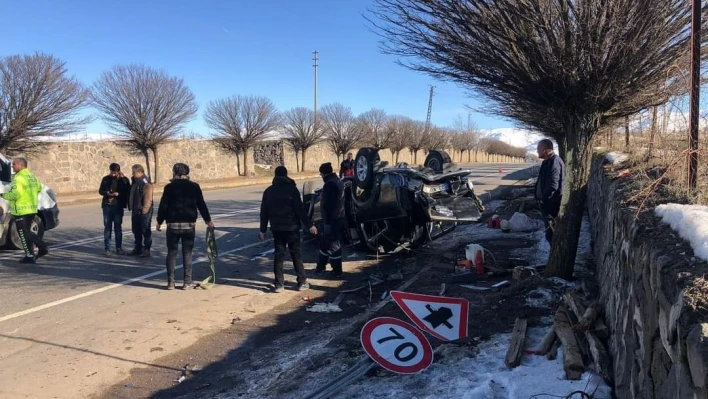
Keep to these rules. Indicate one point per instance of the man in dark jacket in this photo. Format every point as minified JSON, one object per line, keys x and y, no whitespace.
{"x":332,"y":211}
{"x":282,"y":207}
{"x":140,"y":204}
{"x":115,"y":190}
{"x":181,"y":199}
{"x":346,"y":168}
{"x":549,"y":186}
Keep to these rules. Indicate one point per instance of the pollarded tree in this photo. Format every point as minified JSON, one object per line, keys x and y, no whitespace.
{"x":417,"y":139}
{"x":398,"y":129}
{"x":37,"y":99}
{"x":373,"y":125}
{"x":239,"y":122}
{"x":341,"y":129}
{"x":302,"y":130}
{"x":145,"y":106}
{"x":561,"y":67}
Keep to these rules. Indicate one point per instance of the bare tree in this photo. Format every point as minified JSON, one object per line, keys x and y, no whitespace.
{"x":562,"y":67}
{"x":37,"y":99}
{"x":373,"y":123}
{"x":300,"y":130}
{"x":417,"y":139}
{"x":438,"y":138}
{"x":398,"y":129}
{"x":239,"y":122}
{"x":341,"y":129}
{"x":145,"y":106}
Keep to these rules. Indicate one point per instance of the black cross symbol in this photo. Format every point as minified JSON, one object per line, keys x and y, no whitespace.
{"x":438,"y":317}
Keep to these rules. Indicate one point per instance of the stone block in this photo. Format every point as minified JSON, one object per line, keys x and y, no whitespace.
{"x":697,"y":353}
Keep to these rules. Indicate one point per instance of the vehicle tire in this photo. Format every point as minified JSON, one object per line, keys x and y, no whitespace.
{"x":37,"y":227}
{"x":436,"y":160}
{"x":364,"y":163}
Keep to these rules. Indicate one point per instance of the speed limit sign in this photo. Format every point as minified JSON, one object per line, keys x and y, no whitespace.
{"x":396,"y":345}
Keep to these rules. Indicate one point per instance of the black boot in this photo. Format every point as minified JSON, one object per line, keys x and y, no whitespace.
{"x":321,"y":264}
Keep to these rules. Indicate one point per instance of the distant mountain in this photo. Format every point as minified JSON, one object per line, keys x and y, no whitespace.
{"x":517,"y":137}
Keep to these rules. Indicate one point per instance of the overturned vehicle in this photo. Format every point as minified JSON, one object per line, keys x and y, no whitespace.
{"x":388,"y":207}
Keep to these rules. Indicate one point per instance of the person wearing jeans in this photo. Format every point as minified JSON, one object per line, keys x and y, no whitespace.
{"x":282,"y":207}
{"x":115,"y":189}
{"x":140,"y":205}
{"x":181,"y":199}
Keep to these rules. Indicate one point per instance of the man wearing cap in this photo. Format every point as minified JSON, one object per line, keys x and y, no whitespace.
{"x":181,"y":199}
{"x":115,"y":189}
{"x":282,"y":207}
{"x":332,"y":211}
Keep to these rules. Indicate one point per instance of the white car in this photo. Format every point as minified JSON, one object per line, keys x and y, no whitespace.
{"x":47,"y":216}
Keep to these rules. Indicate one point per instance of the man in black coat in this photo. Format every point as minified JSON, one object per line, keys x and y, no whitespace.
{"x":549,"y":186}
{"x":180,"y":201}
{"x":282,"y":207}
{"x":115,"y":189}
{"x":332,"y":211}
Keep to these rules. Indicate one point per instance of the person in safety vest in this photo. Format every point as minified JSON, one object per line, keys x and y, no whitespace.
{"x":346,"y":168}
{"x":23,"y":197}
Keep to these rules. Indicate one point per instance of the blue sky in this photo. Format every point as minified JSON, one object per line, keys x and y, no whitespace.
{"x":248,"y":47}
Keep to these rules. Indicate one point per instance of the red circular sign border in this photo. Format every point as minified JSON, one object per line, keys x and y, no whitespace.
{"x":369,"y":349}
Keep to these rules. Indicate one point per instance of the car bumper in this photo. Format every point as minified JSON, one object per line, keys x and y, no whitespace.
{"x":457,"y":209}
{"x":50,"y":217}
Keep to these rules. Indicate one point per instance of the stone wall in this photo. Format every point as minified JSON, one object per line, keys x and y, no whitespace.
{"x":647,"y":277}
{"x":72,"y":166}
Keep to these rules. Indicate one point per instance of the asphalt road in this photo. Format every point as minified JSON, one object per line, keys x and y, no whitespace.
{"x":78,"y":321}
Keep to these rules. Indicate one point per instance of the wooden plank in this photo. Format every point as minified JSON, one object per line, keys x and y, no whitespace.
{"x":553,"y":352}
{"x":600,"y":329}
{"x":516,"y":346}
{"x":588,"y":318}
{"x":601,"y":359}
{"x":572,"y":359}
{"x":547,"y":342}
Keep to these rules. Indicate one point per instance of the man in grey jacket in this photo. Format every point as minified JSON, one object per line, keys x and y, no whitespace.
{"x":549,"y":187}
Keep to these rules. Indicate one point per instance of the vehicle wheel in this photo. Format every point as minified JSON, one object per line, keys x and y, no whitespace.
{"x":436,"y":160}
{"x":364,"y":163}
{"x":37,"y":227}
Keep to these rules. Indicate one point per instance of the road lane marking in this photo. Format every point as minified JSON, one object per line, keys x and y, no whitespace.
{"x":115,"y":285}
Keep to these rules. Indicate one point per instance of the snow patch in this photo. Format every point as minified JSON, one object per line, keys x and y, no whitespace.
{"x":616,"y":158}
{"x":324,"y":308}
{"x":520,"y":222}
{"x":540,"y":298}
{"x":458,"y":375}
{"x":691,"y":223}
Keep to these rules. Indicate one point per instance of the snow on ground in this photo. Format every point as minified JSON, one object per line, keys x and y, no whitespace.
{"x":540,"y":298}
{"x":691,"y":223}
{"x":456,"y":374}
{"x":616,"y":158}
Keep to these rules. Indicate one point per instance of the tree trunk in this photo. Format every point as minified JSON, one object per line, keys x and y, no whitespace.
{"x":302,"y":169}
{"x":147,"y":163}
{"x":650,"y":153}
{"x":415,"y":157}
{"x":469,"y":155}
{"x":238,"y":164}
{"x":297,"y":160}
{"x":154,"y":154}
{"x":578,"y":155}
{"x":626,"y":132}
{"x":397,"y":153}
{"x":245,"y":162}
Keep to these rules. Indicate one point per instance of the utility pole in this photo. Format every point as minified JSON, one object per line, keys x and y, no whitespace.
{"x":316,"y":59}
{"x":430,"y":108}
{"x":469,"y":122}
{"x":695,"y":88}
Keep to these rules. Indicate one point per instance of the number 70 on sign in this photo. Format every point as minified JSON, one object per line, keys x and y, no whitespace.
{"x":396,"y":345}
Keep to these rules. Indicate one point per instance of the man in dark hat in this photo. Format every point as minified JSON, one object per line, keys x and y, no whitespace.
{"x":181,"y":199}
{"x":332,"y":211}
{"x":282,"y":207}
{"x":115,"y":189}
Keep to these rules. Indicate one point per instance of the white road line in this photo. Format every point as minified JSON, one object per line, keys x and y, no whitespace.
{"x":127,"y":233}
{"x":115,"y":285}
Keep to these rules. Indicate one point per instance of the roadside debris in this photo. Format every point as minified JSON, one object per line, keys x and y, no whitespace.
{"x":324,"y":308}
{"x":235,"y":320}
{"x":516,"y":345}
